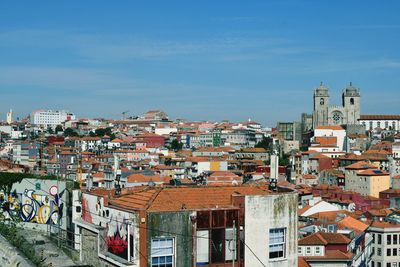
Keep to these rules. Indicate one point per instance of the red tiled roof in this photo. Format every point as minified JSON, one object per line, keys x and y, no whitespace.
{"x":371,"y":172}
{"x":378,"y":224}
{"x":326,"y":140}
{"x":361,"y":165}
{"x":323,"y":238}
{"x":379,"y":117}
{"x":329,"y":127}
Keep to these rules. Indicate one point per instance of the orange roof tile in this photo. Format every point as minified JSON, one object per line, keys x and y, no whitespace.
{"x":371,"y":172}
{"x":329,"y":127}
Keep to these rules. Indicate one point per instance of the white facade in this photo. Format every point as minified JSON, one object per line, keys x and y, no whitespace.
{"x":340,"y":134}
{"x":270,"y":230}
{"x":50,"y":118}
{"x":385,"y":122}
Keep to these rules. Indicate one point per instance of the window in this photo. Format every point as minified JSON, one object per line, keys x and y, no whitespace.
{"x":379,"y":252}
{"x":395,"y":252}
{"x":389,"y":239}
{"x":394,"y":239}
{"x":308,"y":250}
{"x":379,"y":239}
{"x":162,"y":252}
{"x":389,"y":252}
{"x":317,"y":250}
{"x":277,"y":243}
{"x":388,"y":264}
{"x":299,"y":250}
{"x":322,"y":101}
{"x":351,"y":101}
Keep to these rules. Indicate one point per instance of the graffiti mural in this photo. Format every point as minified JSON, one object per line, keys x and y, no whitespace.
{"x":115,"y":237}
{"x":33,"y":206}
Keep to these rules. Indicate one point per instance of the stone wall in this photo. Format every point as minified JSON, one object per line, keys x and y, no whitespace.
{"x":9,"y":256}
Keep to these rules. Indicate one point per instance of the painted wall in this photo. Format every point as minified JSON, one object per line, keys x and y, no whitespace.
{"x":118,"y":225}
{"x":263,"y":213}
{"x":35,"y":201}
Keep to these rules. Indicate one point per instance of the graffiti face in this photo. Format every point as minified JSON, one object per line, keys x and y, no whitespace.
{"x":33,"y":207}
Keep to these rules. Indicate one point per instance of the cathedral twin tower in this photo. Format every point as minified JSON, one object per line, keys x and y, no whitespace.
{"x":325,"y":114}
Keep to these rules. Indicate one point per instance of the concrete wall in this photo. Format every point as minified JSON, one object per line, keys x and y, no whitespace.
{"x":172,"y":224}
{"x":90,"y":249}
{"x":263,"y":213}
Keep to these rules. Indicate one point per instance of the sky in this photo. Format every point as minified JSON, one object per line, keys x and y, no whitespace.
{"x":197,"y":60}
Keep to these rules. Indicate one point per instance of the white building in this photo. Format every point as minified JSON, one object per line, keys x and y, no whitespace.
{"x":50,"y":118}
{"x":385,"y":122}
{"x":332,"y":131}
{"x":385,"y":244}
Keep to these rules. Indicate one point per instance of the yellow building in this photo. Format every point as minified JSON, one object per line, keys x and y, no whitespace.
{"x":364,"y":178}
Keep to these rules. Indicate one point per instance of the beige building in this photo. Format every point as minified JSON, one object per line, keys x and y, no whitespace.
{"x":364,"y":178}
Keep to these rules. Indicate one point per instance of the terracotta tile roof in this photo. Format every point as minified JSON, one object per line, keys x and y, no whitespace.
{"x":136,"y":201}
{"x":254,"y":150}
{"x":303,"y":263}
{"x":371,"y":172}
{"x":326,"y":140}
{"x":98,"y":175}
{"x":320,"y":156}
{"x":351,"y":223}
{"x":379,"y":117}
{"x":224,"y":176}
{"x":332,"y":255}
{"x":378,"y":224}
{"x":329,"y":127}
{"x":330,"y":216}
{"x":361,"y":165}
{"x":196,"y":198}
{"x":323,"y":238}
{"x":391,"y":191}
{"x":309,"y":176}
{"x":215,"y":149}
{"x":140,"y":178}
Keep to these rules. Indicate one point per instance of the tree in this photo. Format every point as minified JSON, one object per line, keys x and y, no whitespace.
{"x":265,"y":143}
{"x":176,"y":145}
{"x":50,"y":130}
{"x":70,"y":132}
{"x":59,"y":128}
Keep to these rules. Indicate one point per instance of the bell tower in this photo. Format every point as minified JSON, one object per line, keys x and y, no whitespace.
{"x":321,"y":104}
{"x":351,"y":103}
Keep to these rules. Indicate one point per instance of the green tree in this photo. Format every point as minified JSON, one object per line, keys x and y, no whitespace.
{"x":59,"y":128}
{"x":265,"y":143}
{"x":176,"y":145}
{"x":70,"y":132}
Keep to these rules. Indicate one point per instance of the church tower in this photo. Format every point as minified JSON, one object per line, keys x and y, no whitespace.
{"x":321,"y":104}
{"x":351,"y":104}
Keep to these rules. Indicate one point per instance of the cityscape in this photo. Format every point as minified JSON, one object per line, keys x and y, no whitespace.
{"x":197,"y":134}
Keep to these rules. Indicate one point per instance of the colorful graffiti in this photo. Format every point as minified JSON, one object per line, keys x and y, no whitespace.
{"x":32,"y":206}
{"x":116,"y":223}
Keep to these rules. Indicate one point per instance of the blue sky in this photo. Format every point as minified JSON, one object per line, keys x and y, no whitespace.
{"x":208,"y":60}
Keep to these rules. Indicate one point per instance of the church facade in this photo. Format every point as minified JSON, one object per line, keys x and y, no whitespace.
{"x":326,"y":114}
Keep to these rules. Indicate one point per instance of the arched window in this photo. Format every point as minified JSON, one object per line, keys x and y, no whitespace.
{"x":322,"y":101}
{"x":351,"y":101}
